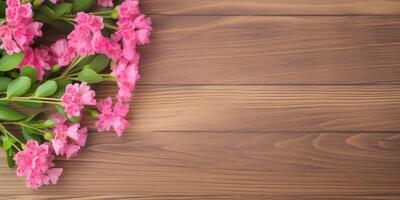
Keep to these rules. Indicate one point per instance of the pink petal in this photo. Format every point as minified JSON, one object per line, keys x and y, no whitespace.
{"x":53,"y":174}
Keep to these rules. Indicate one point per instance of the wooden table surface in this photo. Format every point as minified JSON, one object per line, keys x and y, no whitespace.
{"x":252,"y":99}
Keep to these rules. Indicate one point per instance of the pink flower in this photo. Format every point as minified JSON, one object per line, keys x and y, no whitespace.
{"x":112,"y":117}
{"x":143,"y":26}
{"x":36,"y":163}
{"x":82,"y":38}
{"x":76,"y":96}
{"x":39,"y":58}
{"x":20,"y":14}
{"x":127,"y":74}
{"x":129,"y":9}
{"x":105,"y":3}
{"x":8,"y":44}
{"x":134,"y":28}
{"x":63,"y":52}
{"x":20,"y":30}
{"x":67,"y":139}
{"x":13,"y":3}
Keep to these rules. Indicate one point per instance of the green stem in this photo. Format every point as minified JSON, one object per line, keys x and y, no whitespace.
{"x":37,"y":98}
{"x":69,"y":22}
{"x":111,"y":26}
{"x":31,"y":127}
{"x":71,"y":66}
{"x":102,"y":12}
{"x":31,"y":101}
{"x":68,"y":19}
{"x":8,"y":134}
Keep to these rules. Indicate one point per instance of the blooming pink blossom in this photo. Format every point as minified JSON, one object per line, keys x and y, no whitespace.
{"x":134,"y":28}
{"x":126,"y":74}
{"x":13,"y":3}
{"x":81,"y":38}
{"x":20,"y":30}
{"x":67,"y":139}
{"x":19,"y":14}
{"x":143,"y":29}
{"x":105,"y":3}
{"x":112,"y":117}
{"x":76,"y":96}
{"x":129,"y":9}
{"x":63,"y":52}
{"x":39,"y":58}
{"x":36,"y":163}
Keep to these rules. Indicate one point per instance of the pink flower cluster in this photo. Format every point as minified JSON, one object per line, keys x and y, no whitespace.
{"x":134,"y":28}
{"x":20,"y":30}
{"x":112,"y":117}
{"x":40,"y":58}
{"x":36,"y":163}
{"x":67,"y":138}
{"x":61,"y":62}
{"x":43,"y":58}
{"x":75,"y":98}
{"x":87,"y":31}
{"x":106,"y":3}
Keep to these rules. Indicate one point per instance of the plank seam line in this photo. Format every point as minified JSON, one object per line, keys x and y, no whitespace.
{"x":276,"y":15}
{"x":359,"y":84}
{"x":269,"y":131}
{"x":93,"y":130}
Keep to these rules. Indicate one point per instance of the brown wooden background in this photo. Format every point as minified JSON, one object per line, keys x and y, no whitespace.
{"x":252,"y":99}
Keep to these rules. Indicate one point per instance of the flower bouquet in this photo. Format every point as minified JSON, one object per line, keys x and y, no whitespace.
{"x":52,"y":53}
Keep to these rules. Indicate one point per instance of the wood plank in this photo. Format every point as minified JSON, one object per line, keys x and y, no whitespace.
{"x":264,"y":108}
{"x":273,"y":50}
{"x":272,"y":7}
{"x":230,"y":165}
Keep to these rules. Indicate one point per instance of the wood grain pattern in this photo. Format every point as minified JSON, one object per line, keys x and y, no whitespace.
{"x":264,"y":108}
{"x":272,"y":7}
{"x":251,"y":99}
{"x":273,"y":50}
{"x":168,"y":165}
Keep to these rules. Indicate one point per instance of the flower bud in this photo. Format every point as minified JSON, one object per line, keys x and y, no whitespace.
{"x":48,"y":136}
{"x":114,"y":15}
{"x":50,"y":123}
{"x":55,"y":68}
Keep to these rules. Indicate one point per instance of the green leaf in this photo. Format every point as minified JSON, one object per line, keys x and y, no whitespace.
{"x":60,"y":25}
{"x":10,"y":157}
{"x":4,"y":101}
{"x":82,"y":5}
{"x":61,"y":85}
{"x":29,"y":72}
{"x":99,"y":63}
{"x":74,"y":119}
{"x":34,"y":116}
{"x":31,"y":134}
{"x":19,"y":86}
{"x":48,"y":12}
{"x":4,"y":82}
{"x":3,"y":7}
{"x":89,"y":76}
{"x":30,"y":104}
{"x":48,"y":88}
{"x":10,"y":114}
{"x":60,"y":110}
{"x":86,"y":60}
{"x":9,"y":62}
{"x":62,"y":9}
{"x":7,"y":142}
